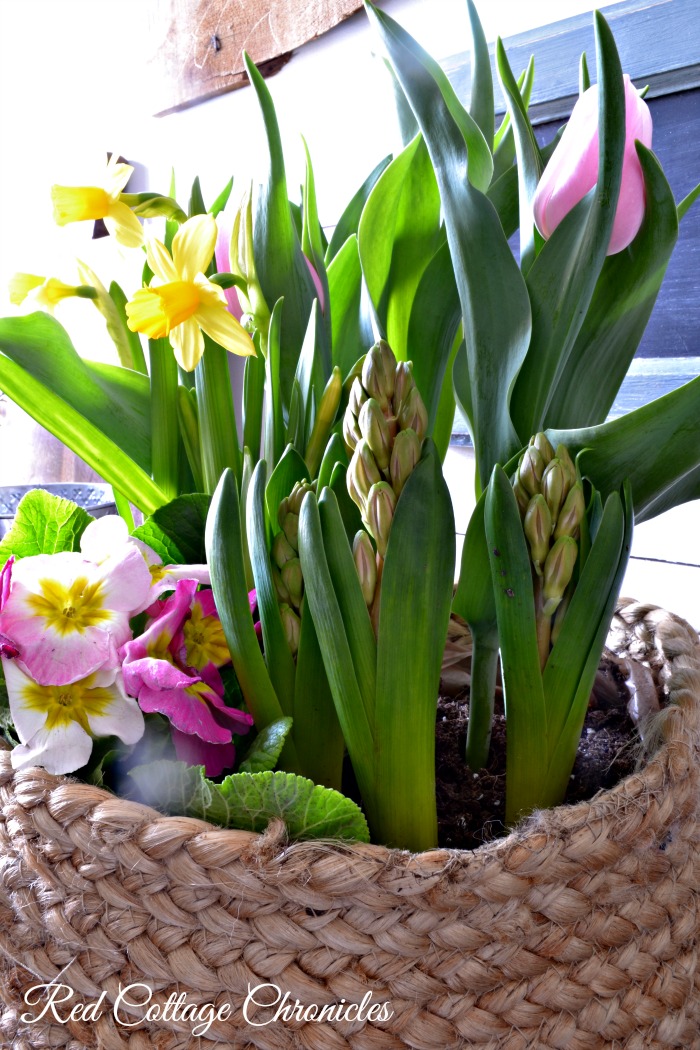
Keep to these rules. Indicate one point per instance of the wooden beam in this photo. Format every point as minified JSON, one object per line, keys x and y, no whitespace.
{"x":197,"y":45}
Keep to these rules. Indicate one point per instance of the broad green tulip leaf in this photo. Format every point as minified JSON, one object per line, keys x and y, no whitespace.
{"x":655,"y":446}
{"x":274,"y":436}
{"x":350,"y":219}
{"x":624,"y":297}
{"x":176,"y":531}
{"x":218,"y":432}
{"x":249,"y":801}
{"x":434,"y":321}
{"x":335,"y":453}
{"x":481,"y":102}
{"x":280,"y":264}
{"x":338,"y":660}
{"x":225,"y":560}
{"x":313,"y":246}
{"x":408,"y":128}
{"x":266,"y":748}
{"x":418,"y":575}
{"x":290,"y":469}
{"x":44,"y":524}
{"x":445,"y":414}
{"x":114,"y":399}
{"x":561,"y":282}
{"x":398,"y":235}
{"x":317,"y":730}
{"x":278,"y":656}
{"x":503,"y":194}
{"x":351,"y":323}
{"x":495,"y":306}
{"x":511,"y":574}
{"x":530,"y":163}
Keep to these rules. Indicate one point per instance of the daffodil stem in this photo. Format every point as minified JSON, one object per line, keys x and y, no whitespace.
{"x":217,"y":416}
{"x":165,"y":431}
{"x":124,"y":509}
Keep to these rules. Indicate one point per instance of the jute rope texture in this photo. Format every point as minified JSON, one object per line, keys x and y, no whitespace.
{"x":578,"y":931}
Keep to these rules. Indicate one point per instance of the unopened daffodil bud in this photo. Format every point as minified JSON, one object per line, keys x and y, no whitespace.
{"x":571,"y":514}
{"x":404,"y":456}
{"x":537,"y":526}
{"x":381,"y":504}
{"x":557,"y":572}
{"x":366,"y":565}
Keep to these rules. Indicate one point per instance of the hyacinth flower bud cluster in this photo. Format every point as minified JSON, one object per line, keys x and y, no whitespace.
{"x":552,"y":507}
{"x":286,"y":567}
{"x":384,"y":427}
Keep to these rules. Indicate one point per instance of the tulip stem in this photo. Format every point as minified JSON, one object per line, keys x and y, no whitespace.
{"x":484,"y":670}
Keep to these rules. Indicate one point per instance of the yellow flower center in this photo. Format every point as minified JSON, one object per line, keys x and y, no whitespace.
{"x":69,"y":609}
{"x":204,"y":640}
{"x":64,"y":704}
{"x":156,"y":311}
{"x":75,"y":203}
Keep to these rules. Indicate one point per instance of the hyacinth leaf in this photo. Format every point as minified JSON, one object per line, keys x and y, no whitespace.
{"x":350,"y":219}
{"x":530,"y":163}
{"x":495,"y":305}
{"x":398,"y":235}
{"x":313,"y":246}
{"x":114,"y":399}
{"x":434,"y":321}
{"x":349,"y":510}
{"x":317,"y":730}
{"x":335,"y":453}
{"x":44,"y":524}
{"x":527,"y":750}
{"x":253,"y":398}
{"x":281,"y":267}
{"x":267,"y":747}
{"x":338,"y":660}
{"x":418,"y":574}
{"x":295,"y":422}
{"x":313,"y":370}
{"x":290,"y":469}
{"x":350,"y":321}
{"x":249,"y":801}
{"x":176,"y":531}
{"x":218,"y":434}
{"x":584,"y":629}
{"x":274,"y":436}
{"x":278,"y":656}
{"x":246,"y":477}
{"x":655,"y":446}
{"x":562,"y":280}
{"x":165,"y":426}
{"x":619,"y":311}
{"x":225,"y":560}
{"x":481,"y":108}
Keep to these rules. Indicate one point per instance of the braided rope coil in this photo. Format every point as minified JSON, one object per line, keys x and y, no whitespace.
{"x":581,"y":930}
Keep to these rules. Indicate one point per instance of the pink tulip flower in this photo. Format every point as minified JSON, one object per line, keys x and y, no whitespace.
{"x":573,"y":168}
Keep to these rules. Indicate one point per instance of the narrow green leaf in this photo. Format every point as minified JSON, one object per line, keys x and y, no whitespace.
{"x":267,"y":747}
{"x":349,"y":510}
{"x":313,"y":246}
{"x":504,"y":143}
{"x":313,"y":370}
{"x":218,"y":433}
{"x":165,"y":427}
{"x":481,"y":108}
{"x":317,"y":730}
{"x":273,"y":419}
{"x":249,"y":801}
{"x":290,"y":469}
{"x":223,"y":198}
{"x":688,"y":202}
{"x":584,"y":77}
{"x":350,"y":219}
{"x":335,"y":453}
{"x":188,"y":422}
{"x":253,"y":395}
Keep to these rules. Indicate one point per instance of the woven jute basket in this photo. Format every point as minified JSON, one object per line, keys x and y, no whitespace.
{"x":579,"y":931}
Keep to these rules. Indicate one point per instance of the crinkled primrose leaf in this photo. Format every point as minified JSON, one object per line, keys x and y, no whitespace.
{"x":249,"y":801}
{"x":175,"y":531}
{"x":267,"y":747}
{"x":44,"y":524}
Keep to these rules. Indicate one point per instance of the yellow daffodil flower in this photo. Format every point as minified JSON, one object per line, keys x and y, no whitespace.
{"x":43,"y":292}
{"x":182,"y":302}
{"x":76,"y":203}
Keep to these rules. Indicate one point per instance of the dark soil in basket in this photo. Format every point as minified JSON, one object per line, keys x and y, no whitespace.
{"x":471,"y":806}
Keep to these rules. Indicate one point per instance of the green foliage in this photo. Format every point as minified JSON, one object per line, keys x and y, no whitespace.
{"x":176,"y":531}
{"x":266,"y":748}
{"x":44,"y":524}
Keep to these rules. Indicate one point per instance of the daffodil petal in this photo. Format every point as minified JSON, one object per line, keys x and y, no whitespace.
{"x":188,"y":344}
{"x":193,"y":246}
{"x":123,"y":225}
{"x":224,"y":329}
{"x":159,"y":260}
{"x":117,"y":175}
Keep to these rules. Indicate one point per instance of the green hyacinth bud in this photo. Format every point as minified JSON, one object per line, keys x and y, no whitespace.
{"x":290,"y":528}
{"x":543,"y":445}
{"x":530,"y":470}
{"x":557,"y":572}
{"x":292,"y":627}
{"x":377,"y":378}
{"x":404,"y":456}
{"x":282,"y":551}
{"x":571,"y":514}
{"x":403,"y":383}
{"x":521,"y":495}
{"x":296,"y":496}
{"x":282,"y":511}
{"x":553,"y":485}
{"x":537,"y":526}
{"x":366,"y":565}
{"x":381,"y":504}
{"x":568,"y":466}
{"x":388,"y":365}
{"x":351,"y":431}
{"x":293,"y":580}
{"x":412,"y":414}
{"x":280,"y":589}
{"x":358,"y":396}
{"x":374,"y":429}
{"x":363,"y":472}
